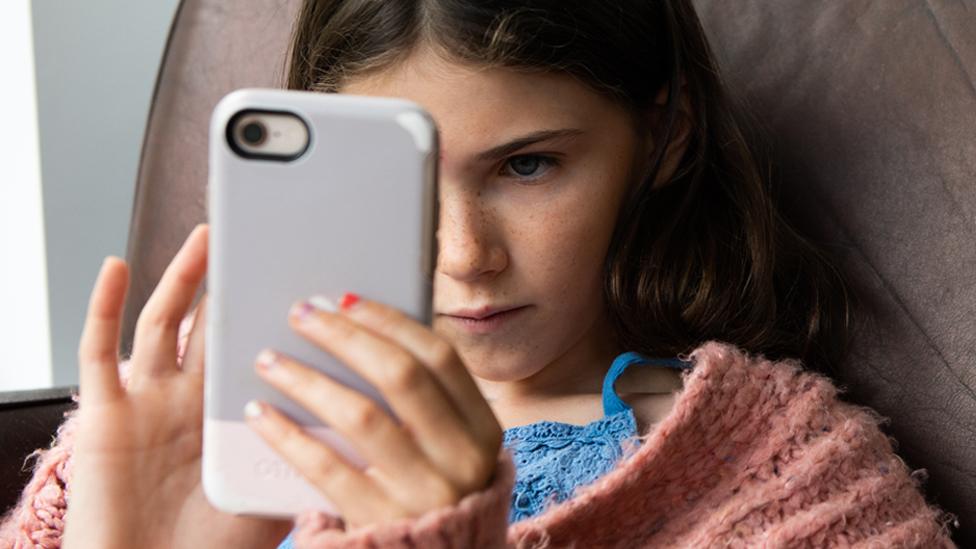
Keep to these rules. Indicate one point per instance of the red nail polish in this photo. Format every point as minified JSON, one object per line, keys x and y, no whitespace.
{"x":348,"y":300}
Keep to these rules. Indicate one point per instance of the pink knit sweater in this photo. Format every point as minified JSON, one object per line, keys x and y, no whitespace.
{"x":755,"y":453}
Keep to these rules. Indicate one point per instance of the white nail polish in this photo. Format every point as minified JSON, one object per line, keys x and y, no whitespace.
{"x":324,"y":303}
{"x":266,"y":359}
{"x":252,"y":409}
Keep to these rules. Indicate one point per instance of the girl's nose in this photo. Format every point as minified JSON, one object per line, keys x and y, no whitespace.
{"x":468,"y":244}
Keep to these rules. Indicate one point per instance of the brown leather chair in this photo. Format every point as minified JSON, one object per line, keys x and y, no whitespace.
{"x":28,"y":421}
{"x":871,"y":112}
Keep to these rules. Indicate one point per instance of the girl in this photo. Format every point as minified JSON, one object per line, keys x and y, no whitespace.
{"x":599,"y":210}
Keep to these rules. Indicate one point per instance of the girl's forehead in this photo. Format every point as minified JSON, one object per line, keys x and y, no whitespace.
{"x":455,"y":87}
{"x":476,"y":107}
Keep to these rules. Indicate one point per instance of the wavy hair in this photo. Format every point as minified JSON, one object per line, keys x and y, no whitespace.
{"x":706,"y":256}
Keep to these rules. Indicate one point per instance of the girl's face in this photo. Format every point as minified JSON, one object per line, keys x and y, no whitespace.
{"x":533,"y":168}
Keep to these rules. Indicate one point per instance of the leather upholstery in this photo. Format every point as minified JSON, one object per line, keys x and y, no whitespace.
{"x":28,"y":420}
{"x":214,"y":47}
{"x":871,"y":112}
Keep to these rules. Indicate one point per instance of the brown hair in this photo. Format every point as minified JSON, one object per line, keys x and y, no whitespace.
{"x":706,"y":256}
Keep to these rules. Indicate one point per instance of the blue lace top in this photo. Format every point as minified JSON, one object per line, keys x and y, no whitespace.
{"x":552,"y":458}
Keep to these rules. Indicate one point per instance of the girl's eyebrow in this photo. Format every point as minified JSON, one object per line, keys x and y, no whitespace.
{"x":508,"y":148}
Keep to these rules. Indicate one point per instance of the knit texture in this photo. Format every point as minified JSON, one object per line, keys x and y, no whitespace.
{"x":37,"y":520}
{"x":755,"y":453}
{"x":552,"y":458}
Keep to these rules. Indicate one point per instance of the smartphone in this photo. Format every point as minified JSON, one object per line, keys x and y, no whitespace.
{"x":309,"y":193}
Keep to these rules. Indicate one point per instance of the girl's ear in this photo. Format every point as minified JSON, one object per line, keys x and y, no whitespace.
{"x":680,"y":133}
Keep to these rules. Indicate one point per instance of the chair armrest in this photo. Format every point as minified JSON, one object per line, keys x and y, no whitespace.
{"x":28,"y":420}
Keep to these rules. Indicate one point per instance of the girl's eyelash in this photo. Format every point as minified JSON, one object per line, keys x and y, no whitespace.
{"x":549,"y":161}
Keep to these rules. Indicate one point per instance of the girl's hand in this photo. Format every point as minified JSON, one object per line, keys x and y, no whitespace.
{"x":136,"y":461}
{"x":446,"y":447}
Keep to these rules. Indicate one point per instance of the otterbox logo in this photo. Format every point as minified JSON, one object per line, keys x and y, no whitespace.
{"x":273,"y":468}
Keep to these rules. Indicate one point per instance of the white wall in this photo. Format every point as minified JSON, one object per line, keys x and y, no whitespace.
{"x":95,"y":63}
{"x":96,"y":69}
{"x":24,"y":329}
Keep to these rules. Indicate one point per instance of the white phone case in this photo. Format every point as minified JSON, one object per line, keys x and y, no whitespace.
{"x":356,"y":212}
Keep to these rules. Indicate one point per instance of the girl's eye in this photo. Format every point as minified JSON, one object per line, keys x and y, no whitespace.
{"x":527,"y":166}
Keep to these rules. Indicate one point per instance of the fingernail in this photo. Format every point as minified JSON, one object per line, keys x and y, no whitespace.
{"x":253,"y":409}
{"x":323,"y":303}
{"x":266,"y":360}
{"x":348,"y":301}
{"x":301,"y":310}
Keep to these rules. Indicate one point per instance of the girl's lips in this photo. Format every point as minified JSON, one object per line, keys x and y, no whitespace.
{"x":486,"y":324}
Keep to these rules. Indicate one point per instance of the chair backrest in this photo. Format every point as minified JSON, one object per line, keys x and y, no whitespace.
{"x":871,"y":107}
{"x":214,"y":47}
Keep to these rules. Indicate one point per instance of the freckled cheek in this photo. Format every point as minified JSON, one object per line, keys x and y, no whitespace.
{"x":560,"y":242}
{"x":562,"y":252}
{"x":581,"y":224}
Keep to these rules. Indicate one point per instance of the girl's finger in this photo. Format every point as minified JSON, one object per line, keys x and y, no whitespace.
{"x":154,"y":347}
{"x":411,"y":389}
{"x":195,"y":344}
{"x":378,"y":438}
{"x":98,"y":358}
{"x":357,"y":497}
{"x":436,"y":353}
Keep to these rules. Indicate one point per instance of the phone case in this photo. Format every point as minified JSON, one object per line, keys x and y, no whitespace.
{"x":356,"y":212}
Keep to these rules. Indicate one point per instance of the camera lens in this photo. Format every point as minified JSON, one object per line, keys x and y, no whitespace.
{"x":253,"y":133}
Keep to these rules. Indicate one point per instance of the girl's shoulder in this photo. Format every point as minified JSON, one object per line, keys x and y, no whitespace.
{"x":650,"y":392}
{"x":648,"y":380}
{"x":649,"y":408}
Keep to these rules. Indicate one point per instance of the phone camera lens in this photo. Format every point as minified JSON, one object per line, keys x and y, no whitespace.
{"x":254,"y":133}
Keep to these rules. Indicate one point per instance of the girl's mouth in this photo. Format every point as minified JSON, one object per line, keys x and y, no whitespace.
{"x":486,"y":324}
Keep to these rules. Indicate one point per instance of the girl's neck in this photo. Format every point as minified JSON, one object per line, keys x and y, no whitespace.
{"x":577,"y":372}
{"x":569,"y":388}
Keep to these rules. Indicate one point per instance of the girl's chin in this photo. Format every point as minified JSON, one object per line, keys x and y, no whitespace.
{"x":498,"y":363}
